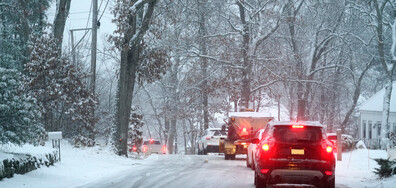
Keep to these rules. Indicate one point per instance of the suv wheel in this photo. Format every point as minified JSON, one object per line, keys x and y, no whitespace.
{"x":259,"y":182}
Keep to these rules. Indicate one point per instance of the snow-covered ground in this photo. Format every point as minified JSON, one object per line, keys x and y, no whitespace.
{"x":98,"y":167}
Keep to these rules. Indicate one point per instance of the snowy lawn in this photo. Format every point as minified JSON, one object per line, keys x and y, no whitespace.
{"x":88,"y":167}
{"x":356,"y":170}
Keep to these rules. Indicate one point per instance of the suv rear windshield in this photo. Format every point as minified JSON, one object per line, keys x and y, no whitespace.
{"x":153,"y":143}
{"x":289,"y":134}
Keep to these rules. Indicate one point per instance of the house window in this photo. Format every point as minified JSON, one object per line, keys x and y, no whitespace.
{"x":370,"y":124}
{"x":379,"y":128}
{"x":364,"y":129}
{"x":394,"y":127}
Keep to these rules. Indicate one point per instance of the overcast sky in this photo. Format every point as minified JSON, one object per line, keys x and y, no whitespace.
{"x":81,"y":17}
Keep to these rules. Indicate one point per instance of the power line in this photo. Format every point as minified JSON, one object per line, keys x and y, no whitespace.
{"x":104,"y":10}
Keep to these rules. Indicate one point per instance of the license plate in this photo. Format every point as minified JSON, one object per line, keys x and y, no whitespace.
{"x":297,"y":152}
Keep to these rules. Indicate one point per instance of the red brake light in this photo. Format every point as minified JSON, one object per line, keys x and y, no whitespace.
{"x":151,"y":141}
{"x":265,"y":147}
{"x":297,"y":126}
{"x":329,"y":173}
{"x":264,"y":171}
{"x":164,"y":149}
{"x":329,"y":149}
{"x":244,"y":129}
{"x":134,"y":148}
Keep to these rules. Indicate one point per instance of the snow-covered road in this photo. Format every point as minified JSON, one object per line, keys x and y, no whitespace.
{"x":99,"y":167}
{"x":181,"y":171}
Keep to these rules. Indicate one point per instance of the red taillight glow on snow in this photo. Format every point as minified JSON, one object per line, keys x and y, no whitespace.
{"x":144,"y":148}
{"x":329,"y":149}
{"x":329,"y":173}
{"x":297,"y":126}
{"x":265,"y":147}
{"x":264,"y":171}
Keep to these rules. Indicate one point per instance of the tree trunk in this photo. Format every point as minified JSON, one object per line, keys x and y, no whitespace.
{"x":247,"y":66}
{"x":204,"y":61}
{"x":62,"y":12}
{"x":129,"y":61}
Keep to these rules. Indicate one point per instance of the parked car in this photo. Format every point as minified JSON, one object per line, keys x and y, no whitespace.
{"x":209,"y":142}
{"x":297,"y":153}
{"x":153,"y":146}
{"x":251,"y":150}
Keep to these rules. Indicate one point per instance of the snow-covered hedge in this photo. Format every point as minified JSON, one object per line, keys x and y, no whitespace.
{"x":23,"y":163}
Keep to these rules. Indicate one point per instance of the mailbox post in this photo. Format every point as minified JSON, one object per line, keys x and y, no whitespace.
{"x":55,"y":137}
{"x":339,"y":145}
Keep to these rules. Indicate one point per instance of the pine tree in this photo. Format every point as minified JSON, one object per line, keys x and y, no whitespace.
{"x":19,"y":19}
{"x":19,"y":112}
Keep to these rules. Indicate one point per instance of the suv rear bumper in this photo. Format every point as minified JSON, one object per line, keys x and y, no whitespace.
{"x":295,"y":172}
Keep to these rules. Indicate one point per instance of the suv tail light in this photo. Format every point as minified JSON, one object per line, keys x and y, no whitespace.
{"x":265,"y":147}
{"x":164,"y":149}
{"x":329,"y":149}
{"x":134,"y":148}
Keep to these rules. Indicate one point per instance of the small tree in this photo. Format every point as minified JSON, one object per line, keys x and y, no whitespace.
{"x":387,"y":167}
{"x":59,"y":87}
{"x":135,"y":128}
{"x":19,"y":112}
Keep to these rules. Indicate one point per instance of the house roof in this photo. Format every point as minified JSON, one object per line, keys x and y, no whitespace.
{"x":375,"y":103}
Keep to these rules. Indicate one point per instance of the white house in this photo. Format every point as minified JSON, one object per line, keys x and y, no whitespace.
{"x":371,"y":116}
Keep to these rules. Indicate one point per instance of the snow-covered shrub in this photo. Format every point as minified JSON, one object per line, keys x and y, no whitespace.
{"x":361,"y":145}
{"x":347,"y":142}
{"x":82,"y":141}
{"x":19,"y":112}
{"x":386,"y":167}
{"x":23,"y":163}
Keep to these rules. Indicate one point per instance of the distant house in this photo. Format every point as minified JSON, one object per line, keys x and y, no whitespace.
{"x":371,"y":116}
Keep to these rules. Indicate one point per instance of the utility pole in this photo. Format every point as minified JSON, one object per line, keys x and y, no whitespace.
{"x":93,"y":55}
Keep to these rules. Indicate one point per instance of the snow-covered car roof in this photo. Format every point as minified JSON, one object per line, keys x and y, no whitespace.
{"x":306,"y":123}
{"x":249,"y":114}
{"x":213,"y":129}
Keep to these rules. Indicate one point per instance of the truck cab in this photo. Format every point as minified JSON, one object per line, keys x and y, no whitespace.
{"x":242,"y":126}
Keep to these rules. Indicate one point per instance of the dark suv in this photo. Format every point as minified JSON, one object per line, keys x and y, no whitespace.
{"x":295,"y":153}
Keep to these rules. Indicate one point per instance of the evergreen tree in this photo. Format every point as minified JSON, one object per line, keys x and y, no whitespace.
{"x":19,"y":19}
{"x":18,"y":112}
